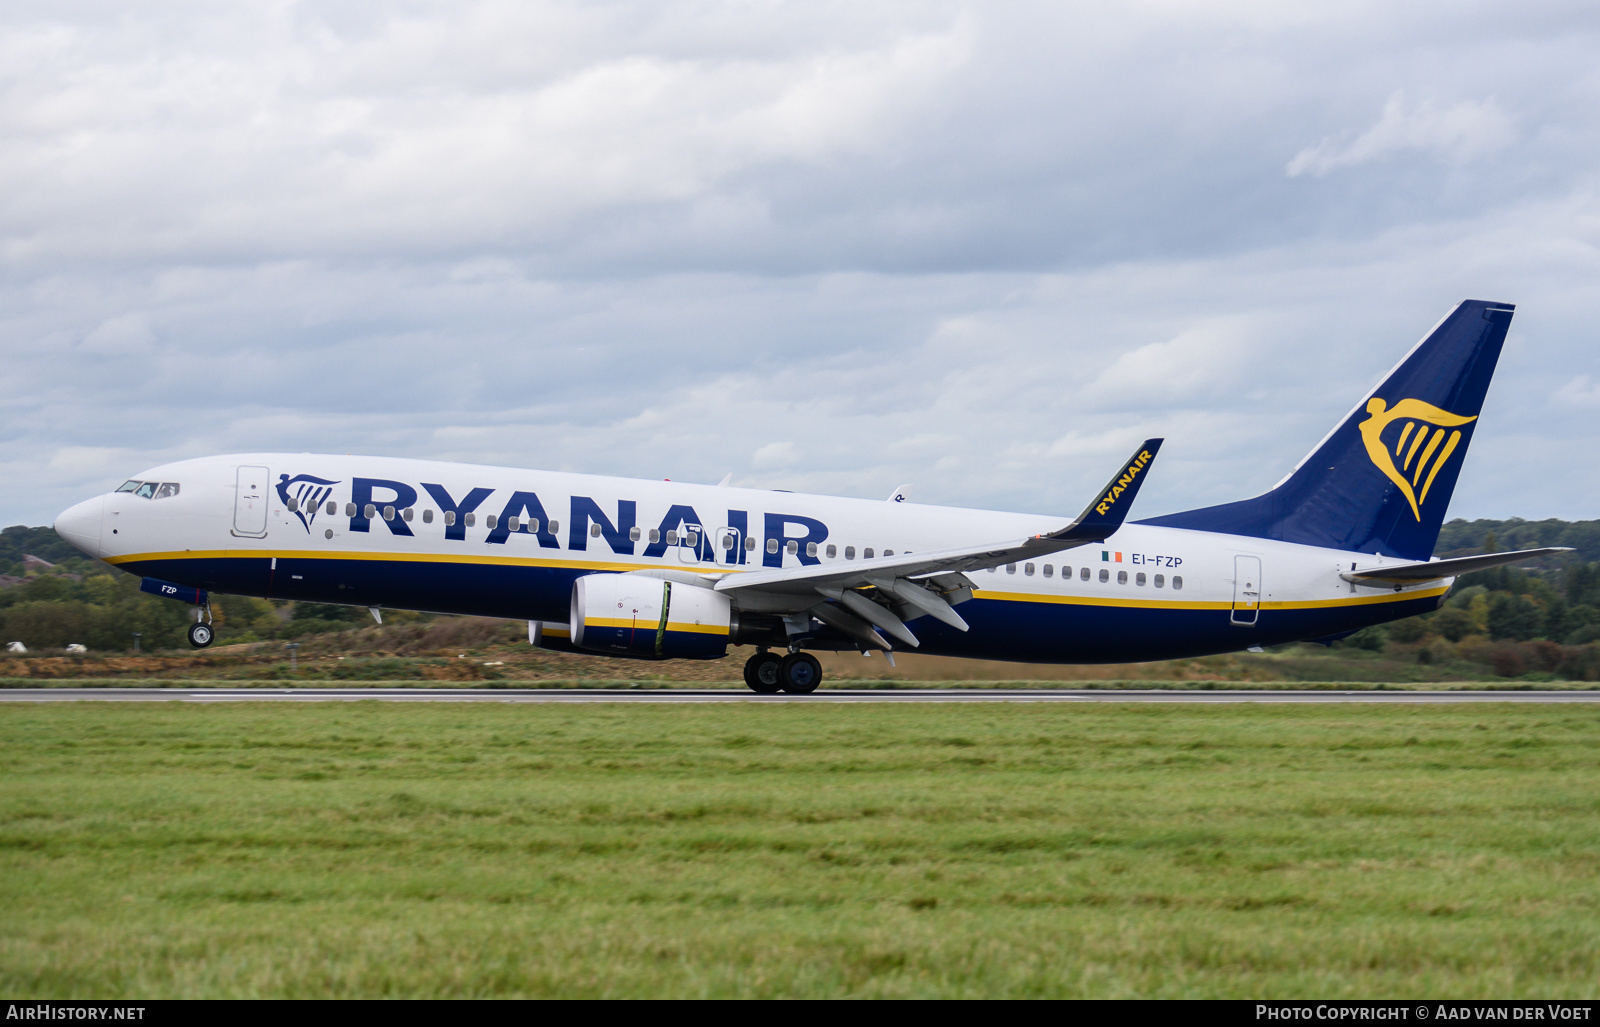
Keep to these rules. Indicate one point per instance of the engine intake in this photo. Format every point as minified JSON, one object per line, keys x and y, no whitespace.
{"x":651,"y":618}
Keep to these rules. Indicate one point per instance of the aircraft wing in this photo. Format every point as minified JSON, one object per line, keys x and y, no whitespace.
{"x":887,"y":591}
{"x":1411,"y":573}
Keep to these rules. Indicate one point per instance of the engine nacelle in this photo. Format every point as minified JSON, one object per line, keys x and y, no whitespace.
{"x":642,"y":616}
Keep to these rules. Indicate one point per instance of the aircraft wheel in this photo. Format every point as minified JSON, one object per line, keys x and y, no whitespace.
{"x":800,"y":673}
{"x":761,"y":673}
{"x":200,"y":635}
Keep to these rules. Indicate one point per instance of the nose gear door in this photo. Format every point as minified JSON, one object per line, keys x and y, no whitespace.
{"x":1246,"y":590}
{"x":250,"y":503}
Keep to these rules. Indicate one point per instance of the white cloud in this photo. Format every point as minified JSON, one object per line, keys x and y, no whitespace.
{"x":774,"y":454}
{"x":119,"y":336}
{"x":1459,"y":132}
{"x":1581,"y":391}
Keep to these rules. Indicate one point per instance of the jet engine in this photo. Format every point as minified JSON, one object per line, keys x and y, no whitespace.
{"x":651,"y":618}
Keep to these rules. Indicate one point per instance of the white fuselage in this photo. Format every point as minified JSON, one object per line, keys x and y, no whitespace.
{"x":295,"y":526}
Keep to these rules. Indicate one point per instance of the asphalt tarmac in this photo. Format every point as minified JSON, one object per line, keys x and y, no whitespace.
{"x":704,"y":695}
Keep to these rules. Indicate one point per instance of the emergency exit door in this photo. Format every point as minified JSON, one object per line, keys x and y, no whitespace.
{"x":1246,"y":590}
{"x":250,"y":503}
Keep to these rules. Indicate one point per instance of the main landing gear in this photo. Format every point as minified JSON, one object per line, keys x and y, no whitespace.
{"x":769,"y":673}
{"x":200,"y":632}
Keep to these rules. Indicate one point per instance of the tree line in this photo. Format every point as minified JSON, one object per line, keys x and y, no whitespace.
{"x":1545,"y":618}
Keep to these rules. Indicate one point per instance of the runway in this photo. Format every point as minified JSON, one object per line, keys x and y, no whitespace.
{"x":715,"y":695}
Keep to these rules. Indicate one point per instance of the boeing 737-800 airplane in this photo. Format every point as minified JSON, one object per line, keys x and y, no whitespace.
{"x":664,"y":570}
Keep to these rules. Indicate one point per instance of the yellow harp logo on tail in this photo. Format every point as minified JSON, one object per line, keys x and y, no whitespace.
{"x":1421,"y":448}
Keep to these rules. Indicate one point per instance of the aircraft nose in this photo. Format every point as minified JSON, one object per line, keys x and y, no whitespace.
{"x":80,"y":524}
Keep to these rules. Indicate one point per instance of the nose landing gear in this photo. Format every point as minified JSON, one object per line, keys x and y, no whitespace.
{"x":797,"y":673}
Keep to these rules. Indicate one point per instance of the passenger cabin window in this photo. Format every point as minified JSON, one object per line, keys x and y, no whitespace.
{"x":1084,"y":574}
{"x":427,"y":516}
{"x":1122,"y":577}
{"x":408,"y":513}
{"x":633,"y":534}
{"x":750,"y":543}
{"x":1011,"y":568}
{"x":555,"y":526}
{"x":333,"y":508}
{"x":512,"y":524}
{"x":594,"y":529}
{"x":146,"y":490}
{"x":1104,"y":575}
{"x":793,"y":547}
{"x":811,"y":549}
{"x":866,"y":554}
{"x":1027,"y":569}
{"x":167,"y":490}
{"x":655,"y":534}
{"x":672,"y":536}
{"x":349,"y":509}
{"x":292,"y":505}
{"x":1177,"y":581}
{"x":449,"y":517}
{"x":1047,"y":571}
{"x":849,"y":552}
{"x":888,"y":552}
{"x":533,"y":525}
{"x":1161,"y":581}
{"x":488,"y":521}
{"x":690,"y":537}
{"x":833,"y":551}
{"x":772,"y":545}
{"x":129,"y":486}
{"x":472,"y":519}
{"x":727,"y":542}
{"x":388,"y":513}
{"x":371,"y":511}
{"x":1138,"y":579}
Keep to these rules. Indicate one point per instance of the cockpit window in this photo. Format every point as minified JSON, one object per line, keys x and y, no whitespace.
{"x":167,"y":490}
{"x":146,"y":490}
{"x":129,"y":486}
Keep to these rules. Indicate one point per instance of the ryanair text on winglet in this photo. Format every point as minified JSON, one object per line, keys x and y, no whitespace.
{"x":1122,"y":484}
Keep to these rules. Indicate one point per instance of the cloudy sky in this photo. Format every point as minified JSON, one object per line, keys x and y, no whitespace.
{"x":984,"y":248}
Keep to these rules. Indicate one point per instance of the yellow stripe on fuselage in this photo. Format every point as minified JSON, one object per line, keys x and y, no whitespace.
{"x":617,"y":567}
{"x":490,"y":561}
{"x":1220,"y":604}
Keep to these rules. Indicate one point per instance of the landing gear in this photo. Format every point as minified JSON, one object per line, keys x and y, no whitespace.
{"x":200,"y":635}
{"x":800,"y":673}
{"x":761,"y":673}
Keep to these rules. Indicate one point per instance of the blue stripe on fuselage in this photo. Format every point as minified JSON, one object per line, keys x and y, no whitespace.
{"x":1013,"y":629}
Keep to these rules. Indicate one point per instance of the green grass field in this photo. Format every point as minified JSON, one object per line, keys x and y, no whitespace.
{"x":799,"y":849}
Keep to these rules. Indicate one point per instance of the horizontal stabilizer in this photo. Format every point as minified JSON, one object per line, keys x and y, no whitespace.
{"x":1407,"y":573}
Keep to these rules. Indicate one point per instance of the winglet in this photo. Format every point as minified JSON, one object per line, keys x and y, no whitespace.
{"x":1102,"y":517}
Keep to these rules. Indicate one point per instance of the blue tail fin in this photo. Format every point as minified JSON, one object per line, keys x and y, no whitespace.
{"x":1381,"y":480}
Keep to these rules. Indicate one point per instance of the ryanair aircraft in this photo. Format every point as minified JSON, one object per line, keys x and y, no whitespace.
{"x":660,"y":570}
